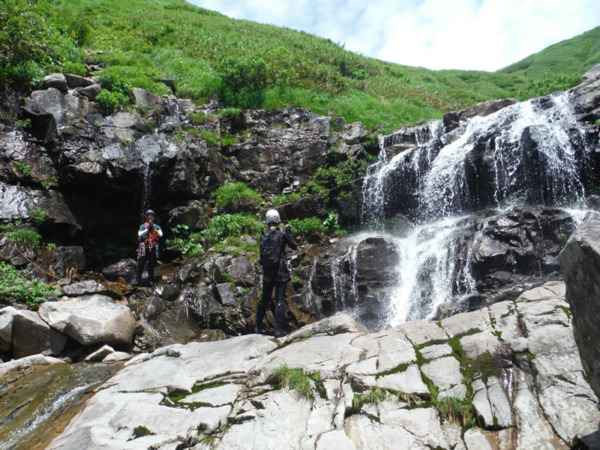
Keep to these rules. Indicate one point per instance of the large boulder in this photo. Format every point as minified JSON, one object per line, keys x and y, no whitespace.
{"x":6,"y":328}
{"x":31,"y":335}
{"x":580,"y":261}
{"x":95,"y":320}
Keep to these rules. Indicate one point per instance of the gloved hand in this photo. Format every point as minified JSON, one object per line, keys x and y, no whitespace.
{"x":151,"y":225}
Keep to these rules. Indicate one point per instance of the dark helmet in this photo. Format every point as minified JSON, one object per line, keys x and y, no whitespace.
{"x":150,"y":211}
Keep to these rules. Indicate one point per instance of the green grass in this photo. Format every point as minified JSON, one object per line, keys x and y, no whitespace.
{"x":294,"y":379}
{"x":246,"y":64}
{"x":237,"y":197}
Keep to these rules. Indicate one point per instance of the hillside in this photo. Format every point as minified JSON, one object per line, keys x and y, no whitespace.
{"x":246,"y":64}
{"x":571,"y":57}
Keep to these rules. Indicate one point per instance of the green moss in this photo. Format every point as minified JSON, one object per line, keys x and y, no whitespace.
{"x":141,"y":431}
{"x":397,"y":369}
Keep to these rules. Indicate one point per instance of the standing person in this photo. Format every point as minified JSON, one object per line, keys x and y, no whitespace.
{"x":275,"y":270}
{"x":149,"y":235}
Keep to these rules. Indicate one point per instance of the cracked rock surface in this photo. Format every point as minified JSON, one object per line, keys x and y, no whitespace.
{"x":507,"y":376}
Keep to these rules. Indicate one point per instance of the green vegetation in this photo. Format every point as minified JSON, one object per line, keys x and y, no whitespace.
{"x":23,"y":236}
{"x":38,"y":216}
{"x":296,"y":379}
{"x":226,"y":225}
{"x":373,"y":396}
{"x":237,"y":197}
{"x":246,"y":64}
{"x":456,"y":411}
{"x":307,"y":226}
{"x":22,"y":168}
{"x":141,"y":431}
{"x":189,"y":244}
{"x":24,"y":124}
{"x":289,"y":198}
{"x":14,"y":286}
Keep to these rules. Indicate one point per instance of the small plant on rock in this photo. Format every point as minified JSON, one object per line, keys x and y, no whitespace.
{"x":38,"y":216}
{"x":294,"y":379}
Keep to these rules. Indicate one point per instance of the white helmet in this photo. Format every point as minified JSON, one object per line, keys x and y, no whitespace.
{"x":273,"y":217}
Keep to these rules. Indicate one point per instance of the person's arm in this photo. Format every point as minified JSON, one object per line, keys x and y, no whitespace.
{"x":158,"y":230}
{"x":143,"y":232}
{"x":289,"y":239}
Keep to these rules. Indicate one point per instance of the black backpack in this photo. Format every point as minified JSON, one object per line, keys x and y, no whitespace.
{"x":270,"y":249}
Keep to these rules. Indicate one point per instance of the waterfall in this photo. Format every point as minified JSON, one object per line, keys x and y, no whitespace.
{"x":529,"y":153}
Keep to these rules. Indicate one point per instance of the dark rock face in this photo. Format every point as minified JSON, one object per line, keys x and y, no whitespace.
{"x":580,"y":261}
{"x":95,"y":174}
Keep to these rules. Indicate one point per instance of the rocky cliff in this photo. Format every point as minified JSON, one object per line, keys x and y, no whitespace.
{"x":457,"y":222}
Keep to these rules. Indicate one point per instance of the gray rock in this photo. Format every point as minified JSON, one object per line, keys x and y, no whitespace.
{"x":75,"y":81}
{"x":90,"y":92}
{"x":125,"y":269}
{"x":96,"y":320}
{"x":55,"y":80}
{"x":409,"y":381}
{"x":26,"y":362}
{"x":226,"y":294}
{"x":593,"y":73}
{"x":116,"y":357}
{"x":420,"y":332}
{"x":466,"y":322}
{"x":580,"y":262}
{"x":31,"y":335}
{"x":100,"y":354}
{"x":6,"y":328}
{"x":87,"y":287}
{"x":444,"y":372}
{"x":146,"y":98}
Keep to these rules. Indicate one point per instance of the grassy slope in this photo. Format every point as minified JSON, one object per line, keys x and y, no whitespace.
{"x":573,"y":57}
{"x":142,"y":41}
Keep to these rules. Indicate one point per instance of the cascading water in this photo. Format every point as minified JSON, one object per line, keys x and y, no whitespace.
{"x":530,"y":153}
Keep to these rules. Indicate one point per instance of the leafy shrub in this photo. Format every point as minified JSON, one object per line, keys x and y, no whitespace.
{"x":227,"y":113}
{"x":14,"y":287}
{"x":331,"y":224}
{"x":226,"y":225}
{"x":243,"y":81}
{"x":116,"y":90}
{"x":307,"y":226}
{"x":189,"y":244}
{"x":333,"y":176}
{"x":237,"y":197}
{"x":109,"y":101}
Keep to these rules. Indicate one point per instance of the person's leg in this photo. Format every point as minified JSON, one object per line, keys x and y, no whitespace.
{"x":151,"y":262}
{"x":262,"y":306}
{"x":279,"y":308}
{"x":140,"y":268}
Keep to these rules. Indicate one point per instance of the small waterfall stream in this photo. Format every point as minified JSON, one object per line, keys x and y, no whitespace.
{"x":530,"y":153}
